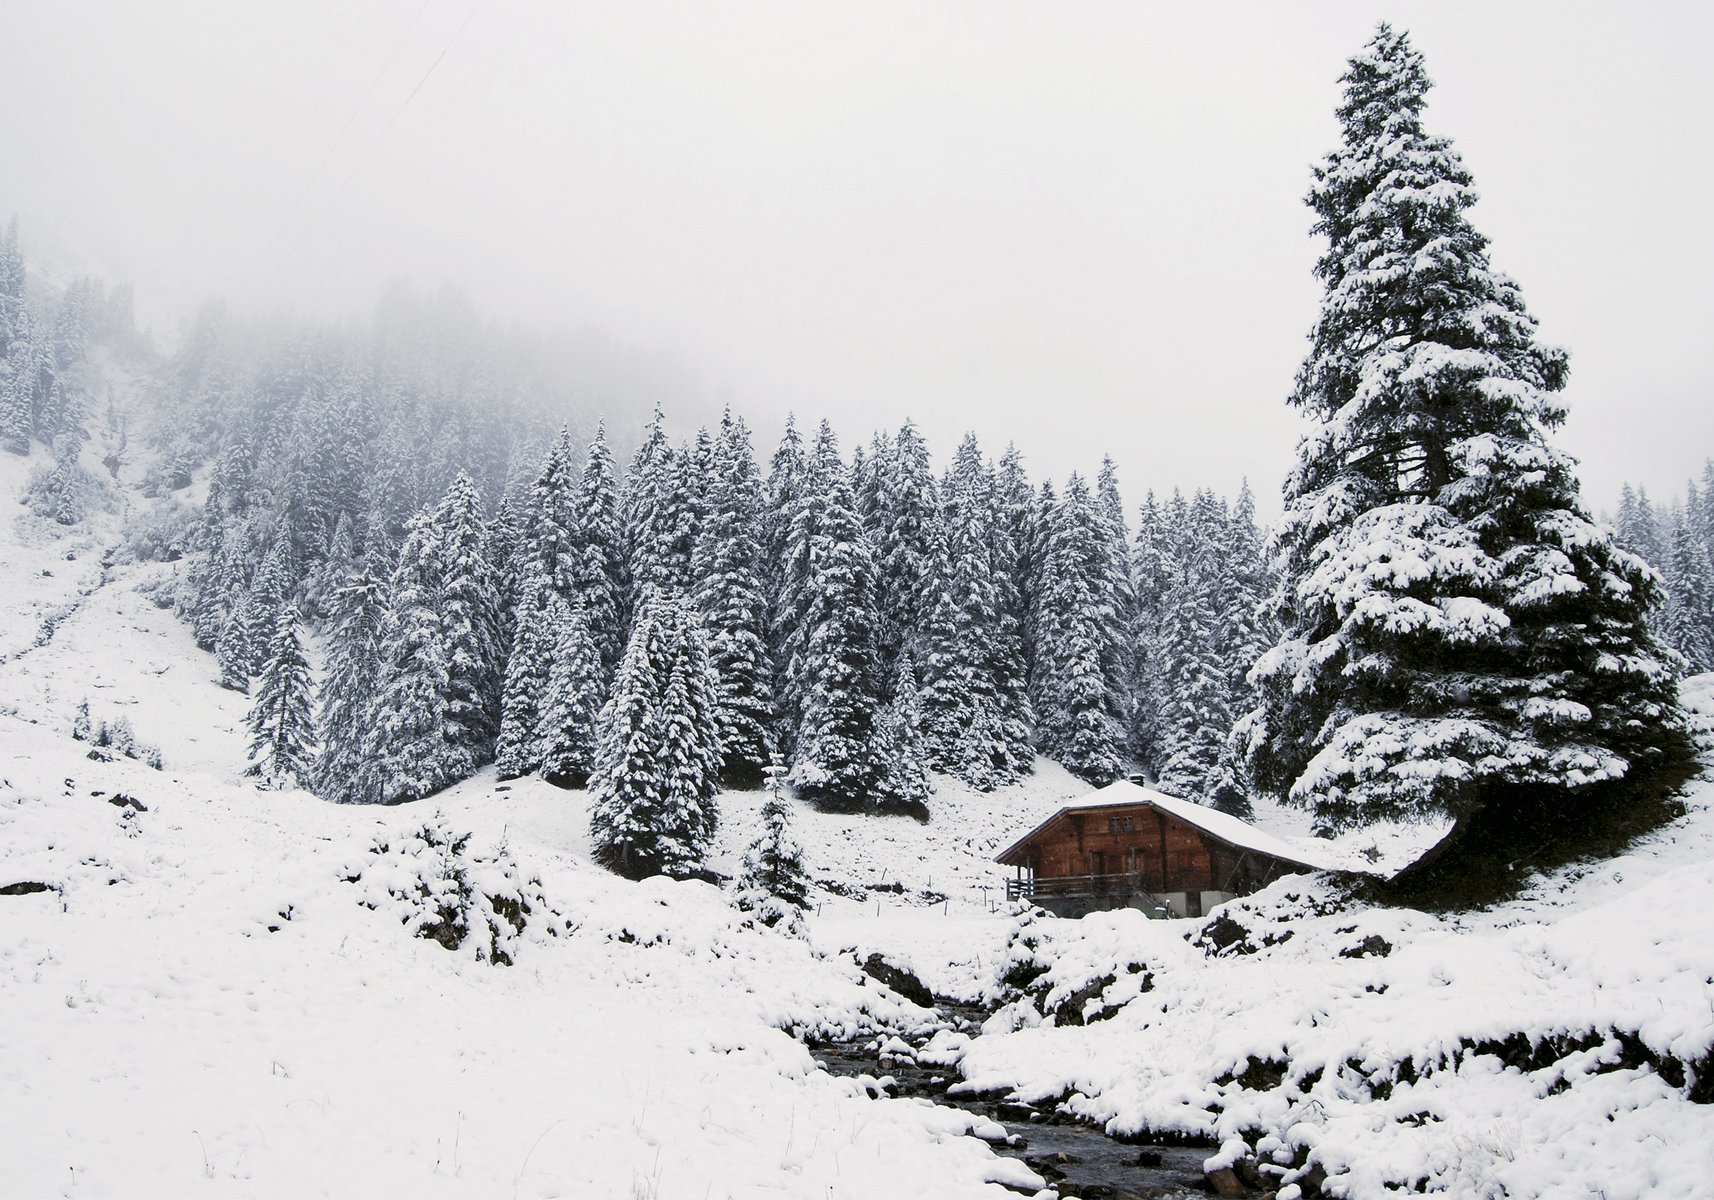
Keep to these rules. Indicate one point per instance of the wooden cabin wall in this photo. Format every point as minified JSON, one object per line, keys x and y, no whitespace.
{"x":1170,"y":855}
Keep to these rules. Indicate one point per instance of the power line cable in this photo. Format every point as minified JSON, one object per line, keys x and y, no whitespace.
{"x":350,"y":120}
{"x":370,"y":151}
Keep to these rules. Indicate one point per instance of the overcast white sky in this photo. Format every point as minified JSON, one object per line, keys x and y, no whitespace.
{"x":1076,"y":226}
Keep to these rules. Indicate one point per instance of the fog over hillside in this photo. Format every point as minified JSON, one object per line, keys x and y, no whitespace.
{"x":1025,"y":222}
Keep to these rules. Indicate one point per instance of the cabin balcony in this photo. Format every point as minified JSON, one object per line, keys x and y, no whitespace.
{"x":1034,"y":887}
{"x":1076,"y":895}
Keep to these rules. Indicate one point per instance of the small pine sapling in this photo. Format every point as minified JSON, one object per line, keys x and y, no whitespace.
{"x":775,"y":884}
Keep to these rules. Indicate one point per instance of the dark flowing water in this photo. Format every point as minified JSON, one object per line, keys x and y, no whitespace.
{"x":1075,"y":1159}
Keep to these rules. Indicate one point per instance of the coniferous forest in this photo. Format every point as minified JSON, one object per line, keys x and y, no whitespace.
{"x":487,"y":588}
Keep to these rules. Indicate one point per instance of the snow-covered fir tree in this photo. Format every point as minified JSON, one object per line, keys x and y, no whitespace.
{"x":1687,"y":620}
{"x":774,"y":883}
{"x":1195,"y":657}
{"x":409,"y":715}
{"x":690,"y":728}
{"x":657,"y":754}
{"x":734,"y":609}
{"x":1121,"y":583}
{"x":1457,"y":632}
{"x":900,"y":516}
{"x":518,"y":748}
{"x":782,"y":570}
{"x":439,"y":696}
{"x":973,"y":695}
{"x":346,"y":769}
{"x":598,"y":579}
{"x":1678,"y":541}
{"x":1638,"y":526}
{"x":1151,"y":577}
{"x":282,"y":732}
{"x":838,"y":761}
{"x":249,"y":627}
{"x":274,"y":583}
{"x":805,"y":482}
{"x":909,"y":782}
{"x":61,"y":494}
{"x":500,"y":545}
{"x":469,"y":628}
{"x":1082,"y":724}
{"x":334,"y":571}
{"x":1016,"y":514}
{"x":571,"y":699}
{"x":547,"y":546}
{"x":232,"y":657}
{"x":657,"y":516}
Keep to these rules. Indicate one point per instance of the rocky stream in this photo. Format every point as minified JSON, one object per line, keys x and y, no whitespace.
{"x":1077,"y":1160}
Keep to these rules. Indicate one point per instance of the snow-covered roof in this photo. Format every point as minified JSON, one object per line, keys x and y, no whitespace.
{"x":1219,"y":825}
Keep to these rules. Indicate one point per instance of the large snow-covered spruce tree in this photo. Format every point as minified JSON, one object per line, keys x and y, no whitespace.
{"x":729,"y":595}
{"x":517,"y":751}
{"x":657,"y":754}
{"x":282,"y":732}
{"x":571,"y":699}
{"x":437,"y":699}
{"x":1081,"y":724}
{"x":346,"y":772}
{"x":1459,"y":636}
{"x":975,"y":709}
{"x":410,"y":696}
{"x":598,"y":574}
{"x":837,"y":759}
{"x":469,"y":623}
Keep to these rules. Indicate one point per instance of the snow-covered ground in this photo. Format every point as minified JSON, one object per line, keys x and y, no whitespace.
{"x":214,"y":990}
{"x":210,"y":989}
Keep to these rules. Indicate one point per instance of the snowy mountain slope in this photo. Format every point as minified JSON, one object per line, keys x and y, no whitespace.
{"x":195,"y":996}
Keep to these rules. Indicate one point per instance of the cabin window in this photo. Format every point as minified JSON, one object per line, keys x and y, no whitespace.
{"x":1118,"y":824}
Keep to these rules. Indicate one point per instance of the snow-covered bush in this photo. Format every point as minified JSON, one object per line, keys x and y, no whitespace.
{"x":1023,"y":961}
{"x":160,"y":533}
{"x":63,"y":492}
{"x":1269,"y":918}
{"x":110,"y":738}
{"x":446,"y":891}
{"x":1037,"y":981}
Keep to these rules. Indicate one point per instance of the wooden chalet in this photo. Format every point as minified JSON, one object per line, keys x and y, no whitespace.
{"x":1128,"y":846}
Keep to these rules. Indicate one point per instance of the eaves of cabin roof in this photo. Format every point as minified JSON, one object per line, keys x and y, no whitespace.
{"x":1227,"y":830}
